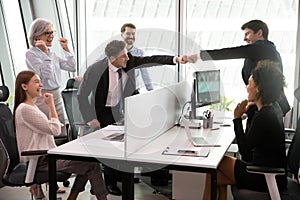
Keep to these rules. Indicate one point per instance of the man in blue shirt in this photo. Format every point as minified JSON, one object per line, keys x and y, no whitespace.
{"x":128,"y":34}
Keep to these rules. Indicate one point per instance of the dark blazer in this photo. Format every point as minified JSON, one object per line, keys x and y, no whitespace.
{"x":253,"y":53}
{"x":93,"y":90}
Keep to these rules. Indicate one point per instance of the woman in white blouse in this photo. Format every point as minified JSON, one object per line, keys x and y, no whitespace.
{"x":47,"y":64}
{"x":34,"y":131}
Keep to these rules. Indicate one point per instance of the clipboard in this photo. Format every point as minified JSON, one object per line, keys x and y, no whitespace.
{"x":192,"y":152}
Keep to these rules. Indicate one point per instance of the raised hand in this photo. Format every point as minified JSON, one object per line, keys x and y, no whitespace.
{"x":48,"y":99}
{"x":64,"y":44}
{"x":41,"y":45}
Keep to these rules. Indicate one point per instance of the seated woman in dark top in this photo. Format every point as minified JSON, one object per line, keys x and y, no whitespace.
{"x":263,"y":138}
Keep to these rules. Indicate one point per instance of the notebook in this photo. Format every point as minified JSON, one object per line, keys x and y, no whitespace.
{"x":196,"y":141}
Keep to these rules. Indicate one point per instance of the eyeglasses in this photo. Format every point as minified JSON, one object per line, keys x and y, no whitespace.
{"x":49,"y":33}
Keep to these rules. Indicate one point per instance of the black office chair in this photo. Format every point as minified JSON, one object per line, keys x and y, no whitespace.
{"x":4,"y":93}
{"x":293,"y":165}
{"x":18,"y":173}
{"x":76,"y":122}
{"x":2,"y":165}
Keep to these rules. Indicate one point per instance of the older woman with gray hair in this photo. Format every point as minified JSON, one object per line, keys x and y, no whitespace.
{"x":47,"y":64}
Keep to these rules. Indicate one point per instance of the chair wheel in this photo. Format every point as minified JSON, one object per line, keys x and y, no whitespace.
{"x":66,"y":183}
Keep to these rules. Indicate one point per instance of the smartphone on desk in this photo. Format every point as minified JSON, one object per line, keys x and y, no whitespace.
{"x":187,"y":152}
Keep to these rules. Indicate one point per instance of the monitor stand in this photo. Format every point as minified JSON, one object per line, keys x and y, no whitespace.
{"x":194,"y":122}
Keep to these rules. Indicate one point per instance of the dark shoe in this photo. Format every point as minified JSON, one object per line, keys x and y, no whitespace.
{"x":114,"y":190}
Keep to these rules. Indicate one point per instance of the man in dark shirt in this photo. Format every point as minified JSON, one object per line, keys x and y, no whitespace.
{"x":258,"y":48}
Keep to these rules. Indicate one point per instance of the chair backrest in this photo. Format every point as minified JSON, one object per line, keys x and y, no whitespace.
{"x":294,"y":151}
{"x":69,"y":95}
{"x":7,"y":133}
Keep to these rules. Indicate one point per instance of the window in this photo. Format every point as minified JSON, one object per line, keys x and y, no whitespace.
{"x":215,"y":24}
{"x":156,"y":30}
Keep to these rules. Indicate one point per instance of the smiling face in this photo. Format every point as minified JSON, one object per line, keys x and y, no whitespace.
{"x":129,"y":36}
{"x":33,"y":88}
{"x":121,"y":60}
{"x":47,"y":36}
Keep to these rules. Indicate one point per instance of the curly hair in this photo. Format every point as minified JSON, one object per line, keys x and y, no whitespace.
{"x":269,"y":80}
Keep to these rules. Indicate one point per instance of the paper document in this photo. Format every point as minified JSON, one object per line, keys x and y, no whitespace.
{"x":194,"y":152}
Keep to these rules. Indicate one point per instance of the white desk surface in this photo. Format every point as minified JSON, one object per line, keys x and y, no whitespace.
{"x":93,"y":145}
{"x":176,"y":137}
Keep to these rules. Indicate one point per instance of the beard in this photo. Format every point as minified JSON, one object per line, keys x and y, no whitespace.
{"x":129,"y":41}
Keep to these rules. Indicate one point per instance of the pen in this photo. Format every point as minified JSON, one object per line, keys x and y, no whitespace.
{"x":187,"y":151}
{"x":209,"y":145}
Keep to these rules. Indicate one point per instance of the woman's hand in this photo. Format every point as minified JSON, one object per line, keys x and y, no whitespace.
{"x":240,"y":109}
{"x":48,"y":99}
{"x":64,"y":44}
{"x":41,"y":45}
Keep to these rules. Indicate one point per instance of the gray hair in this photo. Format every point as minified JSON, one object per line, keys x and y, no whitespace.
{"x":114,"y":47}
{"x":37,"y":28}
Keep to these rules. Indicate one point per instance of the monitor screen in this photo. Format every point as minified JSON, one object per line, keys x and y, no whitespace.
{"x":207,"y":87}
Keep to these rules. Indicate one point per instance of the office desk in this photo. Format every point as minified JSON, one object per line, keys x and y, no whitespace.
{"x":92,"y":148}
{"x":152,"y":153}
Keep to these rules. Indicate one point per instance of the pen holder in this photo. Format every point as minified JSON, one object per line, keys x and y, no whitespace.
{"x":207,"y":123}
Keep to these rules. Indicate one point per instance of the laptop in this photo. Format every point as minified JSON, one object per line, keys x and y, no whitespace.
{"x":119,"y":137}
{"x":196,"y":141}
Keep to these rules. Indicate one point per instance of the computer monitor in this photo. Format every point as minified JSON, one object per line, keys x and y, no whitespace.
{"x":206,"y":90}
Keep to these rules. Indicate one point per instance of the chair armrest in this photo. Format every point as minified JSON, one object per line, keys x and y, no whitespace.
{"x":34,"y":153}
{"x":289,"y":130}
{"x":288,"y":141}
{"x":33,"y":156}
{"x":269,"y":174}
{"x":289,"y":134}
{"x":81,"y":124}
{"x":265,"y":170}
{"x":298,"y":178}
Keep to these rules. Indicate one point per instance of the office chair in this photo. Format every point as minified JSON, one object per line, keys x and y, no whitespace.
{"x":4,"y":93}
{"x":76,"y":122}
{"x":293,"y":165}
{"x":16,"y":173}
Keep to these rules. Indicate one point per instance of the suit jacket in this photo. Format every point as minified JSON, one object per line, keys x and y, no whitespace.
{"x":93,"y":90}
{"x":253,"y":53}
